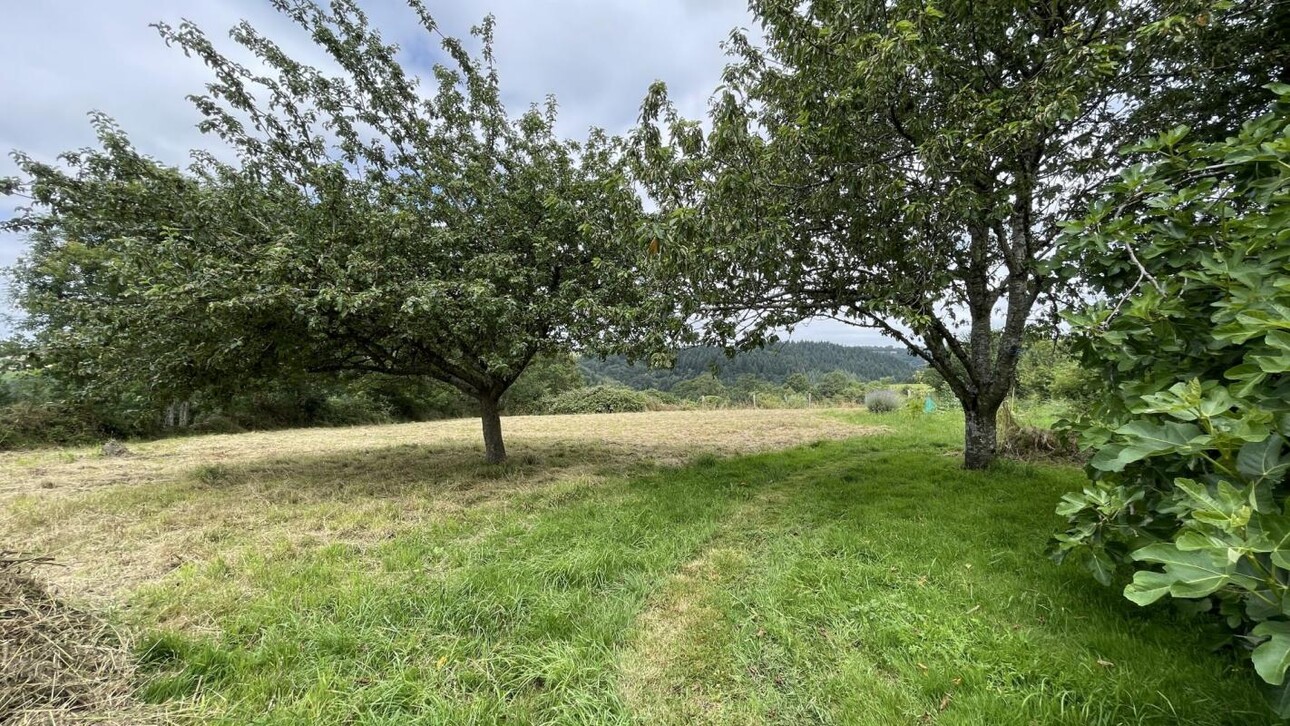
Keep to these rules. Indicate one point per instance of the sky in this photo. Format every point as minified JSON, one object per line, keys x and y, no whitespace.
{"x":60,"y":59}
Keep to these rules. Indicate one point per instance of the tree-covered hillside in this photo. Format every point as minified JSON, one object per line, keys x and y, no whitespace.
{"x":773,"y":363}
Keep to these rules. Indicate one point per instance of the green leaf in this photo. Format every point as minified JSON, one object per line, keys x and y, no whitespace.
{"x":1224,"y":505}
{"x":1193,"y":541}
{"x":1278,"y":363}
{"x":1144,"y":439}
{"x":1148,"y":586}
{"x":1261,"y":460}
{"x":1270,"y":533}
{"x":1278,"y":339}
{"x":1272,"y":657}
{"x":1248,"y":377}
{"x":1072,"y":504}
{"x":1278,"y":698}
{"x":1196,"y":573}
{"x":1102,"y":567}
{"x":1263,"y":604}
{"x":1217,"y":401}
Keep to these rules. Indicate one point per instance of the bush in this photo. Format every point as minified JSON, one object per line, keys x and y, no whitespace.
{"x":657,"y":400}
{"x":1190,"y":470}
{"x":351,"y":409}
{"x":26,"y":424}
{"x":598,"y":399}
{"x":216,"y":423}
{"x":882,"y":401}
{"x":546,"y":377}
{"x":913,"y":407}
{"x":1021,"y":440}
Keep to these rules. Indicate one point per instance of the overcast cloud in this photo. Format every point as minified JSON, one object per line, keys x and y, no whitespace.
{"x":60,"y":59}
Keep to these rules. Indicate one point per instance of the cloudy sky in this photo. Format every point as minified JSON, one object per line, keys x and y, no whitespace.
{"x":60,"y":59}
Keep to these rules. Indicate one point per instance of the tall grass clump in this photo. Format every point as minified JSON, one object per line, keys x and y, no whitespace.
{"x":882,"y":401}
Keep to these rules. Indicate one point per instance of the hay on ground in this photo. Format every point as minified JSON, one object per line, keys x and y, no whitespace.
{"x":58,"y":664}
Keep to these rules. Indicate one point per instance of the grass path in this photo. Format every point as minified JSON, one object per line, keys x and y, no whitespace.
{"x":867,"y":581}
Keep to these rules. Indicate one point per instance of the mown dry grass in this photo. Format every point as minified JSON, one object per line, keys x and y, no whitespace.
{"x":60,"y":664}
{"x":667,"y":437}
{"x":118,"y":522}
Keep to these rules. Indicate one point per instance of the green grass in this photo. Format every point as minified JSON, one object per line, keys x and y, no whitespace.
{"x":871,"y":581}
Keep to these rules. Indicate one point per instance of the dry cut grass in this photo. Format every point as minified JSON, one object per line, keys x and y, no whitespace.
{"x":119,"y":522}
{"x":682,"y":625}
{"x":666,"y":437}
{"x":59,"y":664}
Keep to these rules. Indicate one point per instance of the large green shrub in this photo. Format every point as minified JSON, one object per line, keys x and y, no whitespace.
{"x":547,"y":376}
{"x":353,"y":409}
{"x":598,"y":399}
{"x":1048,"y":370}
{"x":1191,"y":256}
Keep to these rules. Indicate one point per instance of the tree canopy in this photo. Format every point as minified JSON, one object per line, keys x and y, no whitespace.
{"x":368,"y":224}
{"x":902,"y":165}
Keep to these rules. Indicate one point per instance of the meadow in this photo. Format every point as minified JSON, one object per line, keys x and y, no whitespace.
{"x":720,"y":567}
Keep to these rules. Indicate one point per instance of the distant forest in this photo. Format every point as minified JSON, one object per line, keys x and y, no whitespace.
{"x":774,"y":364}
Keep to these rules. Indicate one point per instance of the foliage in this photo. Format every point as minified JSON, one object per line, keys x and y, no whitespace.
{"x":37,"y":410}
{"x":24,"y":424}
{"x":1049,"y":370}
{"x":544,"y":378}
{"x":1211,"y":75}
{"x":798,"y":383}
{"x":1020,"y":437}
{"x":883,"y":401}
{"x":835,"y":384}
{"x":901,"y":165}
{"x":1191,"y":255}
{"x":701,"y":386}
{"x":665,"y":401}
{"x":598,"y":399}
{"x":370,"y":225}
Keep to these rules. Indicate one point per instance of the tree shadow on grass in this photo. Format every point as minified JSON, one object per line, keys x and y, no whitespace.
{"x":420,"y":471}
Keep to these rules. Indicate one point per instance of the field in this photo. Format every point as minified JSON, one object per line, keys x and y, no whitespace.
{"x":725,"y":567}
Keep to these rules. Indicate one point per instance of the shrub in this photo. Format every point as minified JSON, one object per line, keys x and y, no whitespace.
{"x":882,"y":401}
{"x":912,"y":407}
{"x":28,"y":424}
{"x":1190,"y":464}
{"x":598,"y":399}
{"x":835,"y":384}
{"x":351,"y":409}
{"x":216,"y":423}
{"x":657,"y":400}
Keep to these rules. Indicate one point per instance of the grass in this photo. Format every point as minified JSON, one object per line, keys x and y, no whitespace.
{"x":861,"y":581}
{"x":119,"y":522}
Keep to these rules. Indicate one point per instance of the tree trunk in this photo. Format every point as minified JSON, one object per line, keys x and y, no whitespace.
{"x":981,"y":435}
{"x":494,"y":449}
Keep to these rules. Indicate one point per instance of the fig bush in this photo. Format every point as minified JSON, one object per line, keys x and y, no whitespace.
{"x":1189,"y":254}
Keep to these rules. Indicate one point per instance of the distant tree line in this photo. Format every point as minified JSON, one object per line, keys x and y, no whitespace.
{"x":773,"y":364}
